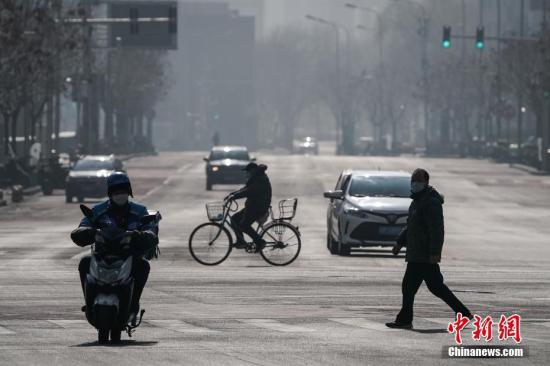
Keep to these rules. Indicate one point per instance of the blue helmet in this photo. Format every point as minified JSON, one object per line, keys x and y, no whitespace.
{"x":119,"y":181}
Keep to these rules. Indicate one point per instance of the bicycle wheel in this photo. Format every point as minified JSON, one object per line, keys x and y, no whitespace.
{"x":210,"y":244}
{"x":283,"y":243}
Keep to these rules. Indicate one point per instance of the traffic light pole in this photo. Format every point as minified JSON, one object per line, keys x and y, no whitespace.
{"x":520,"y":96}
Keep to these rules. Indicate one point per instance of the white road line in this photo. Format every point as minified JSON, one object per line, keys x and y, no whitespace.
{"x":179,"y":326}
{"x":70,"y":324}
{"x":446,"y":321}
{"x":276,"y":325}
{"x":167,"y":180}
{"x":5,"y":331}
{"x":363,"y":323}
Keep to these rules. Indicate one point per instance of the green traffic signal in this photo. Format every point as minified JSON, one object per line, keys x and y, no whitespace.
{"x":446,"y":42}
{"x":480,"y":38}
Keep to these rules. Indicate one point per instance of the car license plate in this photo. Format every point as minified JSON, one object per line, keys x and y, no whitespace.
{"x":389,"y":230}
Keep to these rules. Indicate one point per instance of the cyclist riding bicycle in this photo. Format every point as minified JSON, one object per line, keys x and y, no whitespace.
{"x":257,"y":192}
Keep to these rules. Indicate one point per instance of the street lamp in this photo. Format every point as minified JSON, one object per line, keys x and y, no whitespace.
{"x":424,"y":21}
{"x":337,"y":28}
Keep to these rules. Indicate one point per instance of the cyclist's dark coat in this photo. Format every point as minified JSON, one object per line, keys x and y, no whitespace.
{"x":257,"y":192}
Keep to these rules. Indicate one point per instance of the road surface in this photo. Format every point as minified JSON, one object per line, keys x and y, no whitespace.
{"x":321,"y":310}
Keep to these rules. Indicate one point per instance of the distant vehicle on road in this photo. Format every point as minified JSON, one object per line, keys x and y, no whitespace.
{"x":224,"y":165}
{"x":307,"y":145}
{"x":88,"y":178}
{"x":367,"y":209}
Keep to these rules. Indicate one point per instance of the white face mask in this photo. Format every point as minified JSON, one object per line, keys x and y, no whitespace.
{"x":120,"y":199}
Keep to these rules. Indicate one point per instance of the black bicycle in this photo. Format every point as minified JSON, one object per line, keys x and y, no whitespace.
{"x":211,"y":243}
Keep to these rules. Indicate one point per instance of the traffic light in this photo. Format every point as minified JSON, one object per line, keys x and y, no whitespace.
{"x":173,"y":20}
{"x":480,"y":38}
{"x":134,"y":25}
{"x":446,"y":43}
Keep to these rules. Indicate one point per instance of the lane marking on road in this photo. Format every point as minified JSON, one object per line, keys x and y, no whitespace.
{"x":179,"y":326}
{"x":5,"y":331}
{"x":446,"y":321}
{"x":273,"y":324}
{"x":536,"y":340}
{"x":70,"y":324}
{"x":363,"y":323}
{"x":168,"y":180}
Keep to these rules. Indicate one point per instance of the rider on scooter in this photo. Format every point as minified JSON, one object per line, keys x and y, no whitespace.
{"x":120,"y":212}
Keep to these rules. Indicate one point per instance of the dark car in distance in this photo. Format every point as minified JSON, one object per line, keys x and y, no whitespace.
{"x":224,"y":165}
{"x":88,"y":177}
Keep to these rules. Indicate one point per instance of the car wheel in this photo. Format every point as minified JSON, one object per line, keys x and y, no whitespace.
{"x":208,"y":184}
{"x":80,"y":199}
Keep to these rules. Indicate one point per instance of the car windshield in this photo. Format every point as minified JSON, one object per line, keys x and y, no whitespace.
{"x":230,"y":154}
{"x":93,"y":165}
{"x":380,"y":186}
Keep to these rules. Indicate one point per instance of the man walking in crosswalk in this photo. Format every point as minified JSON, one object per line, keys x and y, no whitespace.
{"x":423,"y":237}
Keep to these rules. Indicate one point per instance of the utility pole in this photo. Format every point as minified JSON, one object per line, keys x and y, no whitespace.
{"x":499,"y":75}
{"x":520,"y":96}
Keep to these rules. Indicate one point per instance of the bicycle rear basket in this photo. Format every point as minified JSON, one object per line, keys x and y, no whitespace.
{"x":287,"y":208}
{"x":214,"y":210}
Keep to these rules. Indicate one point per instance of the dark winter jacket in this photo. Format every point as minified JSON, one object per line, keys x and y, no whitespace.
{"x":425,"y":231}
{"x":257,"y":192}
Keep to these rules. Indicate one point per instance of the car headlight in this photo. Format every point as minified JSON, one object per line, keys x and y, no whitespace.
{"x":354,"y":211}
{"x":215,"y":168}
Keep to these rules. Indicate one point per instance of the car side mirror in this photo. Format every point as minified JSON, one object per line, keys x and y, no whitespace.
{"x":334,"y":195}
{"x":206,"y":159}
{"x":253,"y":159}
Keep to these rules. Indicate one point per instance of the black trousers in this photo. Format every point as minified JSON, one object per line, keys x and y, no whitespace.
{"x":140,"y":272}
{"x":242,"y":222}
{"x":414,"y":275}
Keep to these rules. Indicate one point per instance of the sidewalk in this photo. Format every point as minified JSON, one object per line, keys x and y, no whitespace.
{"x":529,"y":169}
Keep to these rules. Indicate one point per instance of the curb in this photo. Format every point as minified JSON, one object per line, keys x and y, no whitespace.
{"x":528,"y":169}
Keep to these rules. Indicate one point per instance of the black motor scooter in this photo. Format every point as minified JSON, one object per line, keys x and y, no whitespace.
{"x":109,"y":283}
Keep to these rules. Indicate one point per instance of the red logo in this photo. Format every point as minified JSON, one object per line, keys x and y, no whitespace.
{"x":508,"y":327}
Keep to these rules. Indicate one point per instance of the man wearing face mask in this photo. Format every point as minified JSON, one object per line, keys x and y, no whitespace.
{"x":119,"y":211}
{"x":423,"y":238}
{"x":257,"y":192}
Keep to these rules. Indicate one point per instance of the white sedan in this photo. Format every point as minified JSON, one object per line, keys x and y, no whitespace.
{"x":366,"y":209}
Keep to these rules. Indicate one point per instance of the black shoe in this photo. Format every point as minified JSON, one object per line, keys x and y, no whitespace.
{"x":240,"y":245}
{"x":396,"y":325}
{"x":260,"y":245}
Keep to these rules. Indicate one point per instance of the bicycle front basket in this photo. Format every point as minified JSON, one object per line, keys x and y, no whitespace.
{"x":214,"y":210}
{"x":287,"y":208}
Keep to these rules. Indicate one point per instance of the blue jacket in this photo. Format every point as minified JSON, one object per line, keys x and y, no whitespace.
{"x":103,"y":214}
{"x":147,"y":234}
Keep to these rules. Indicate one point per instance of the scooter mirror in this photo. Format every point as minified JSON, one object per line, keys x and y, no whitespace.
{"x":87,"y":212}
{"x":148,"y":219}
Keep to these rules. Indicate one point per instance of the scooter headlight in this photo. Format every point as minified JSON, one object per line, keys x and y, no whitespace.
{"x":125,"y":269}
{"x":94,"y":268}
